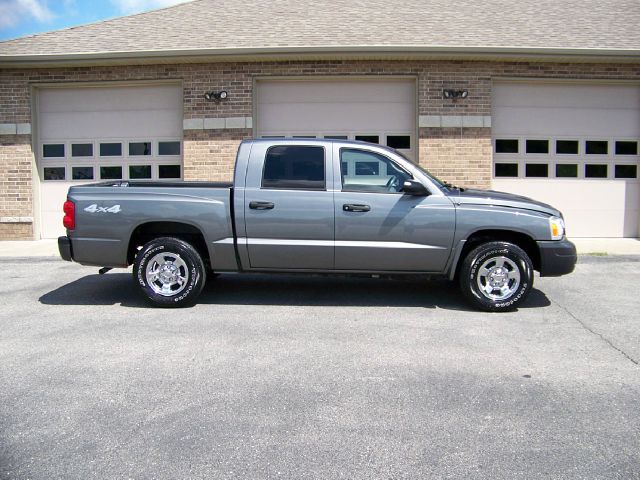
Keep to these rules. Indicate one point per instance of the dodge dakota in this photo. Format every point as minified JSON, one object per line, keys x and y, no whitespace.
{"x":309,"y":206}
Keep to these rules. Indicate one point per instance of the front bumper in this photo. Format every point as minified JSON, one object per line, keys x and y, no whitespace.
{"x":557,"y":257}
{"x":64,"y":247}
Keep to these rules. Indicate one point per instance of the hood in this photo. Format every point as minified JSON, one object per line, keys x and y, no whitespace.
{"x":500,"y":199}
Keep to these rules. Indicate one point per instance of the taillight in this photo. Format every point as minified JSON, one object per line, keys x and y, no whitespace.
{"x":69,"y":220}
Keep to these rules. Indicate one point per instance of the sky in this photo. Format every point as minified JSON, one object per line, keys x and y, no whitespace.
{"x":26,"y":17}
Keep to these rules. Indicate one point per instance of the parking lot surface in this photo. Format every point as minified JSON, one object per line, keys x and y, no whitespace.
{"x":318,"y":377}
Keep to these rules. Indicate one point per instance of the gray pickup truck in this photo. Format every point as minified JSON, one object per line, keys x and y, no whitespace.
{"x":316,"y":206}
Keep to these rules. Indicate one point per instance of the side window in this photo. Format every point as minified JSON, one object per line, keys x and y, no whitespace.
{"x":364,"y":171}
{"x":294,"y":167}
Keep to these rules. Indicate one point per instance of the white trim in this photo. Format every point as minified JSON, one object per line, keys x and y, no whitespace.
{"x":454,"y":121}
{"x":223,"y":123}
{"x":16,"y":219}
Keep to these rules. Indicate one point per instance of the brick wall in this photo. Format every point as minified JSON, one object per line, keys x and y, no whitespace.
{"x":459,"y":155}
{"x":16,"y":201}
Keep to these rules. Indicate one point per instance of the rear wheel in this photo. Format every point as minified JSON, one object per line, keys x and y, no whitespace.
{"x":170,"y":272}
{"x":496,"y":276}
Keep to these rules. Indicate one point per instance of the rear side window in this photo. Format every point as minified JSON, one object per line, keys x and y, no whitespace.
{"x":294,"y":167}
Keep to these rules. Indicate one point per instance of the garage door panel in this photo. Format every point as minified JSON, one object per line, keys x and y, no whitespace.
{"x":123,"y":124}
{"x":377,"y":107}
{"x":335,"y":116}
{"x":593,"y":207}
{"x":148,"y":113}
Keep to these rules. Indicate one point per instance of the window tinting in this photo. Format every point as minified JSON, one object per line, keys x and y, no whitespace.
{"x":110,"y":149}
{"x":368,"y":138}
{"x":506,"y":170}
{"x":595,"y":171}
{"x":626,"y":171}
{"x":111,"y":173}
{"x":367,"y":168}
{"x":168,"y":171}
{"x":399,"y":141}
{"x":373,"y":172}
{"x":596,"y":147}
{"x":50,"y":150}
{"x":168,"y":148}
{"x":504,"y":145}
{"x":344,"y":168}
{"x":54,"y":173}
{"x":294,"y":167}
{"x":82,"y":173}
{"x":82,"y":149}
{"x":566,"y":170}
{"x":536,"y":170}
{"x":537,"y":146}
{"x":567,"y":147}
{"x":140,"y":148}
{"x":139,"y":172}
{"x":626,"y":148}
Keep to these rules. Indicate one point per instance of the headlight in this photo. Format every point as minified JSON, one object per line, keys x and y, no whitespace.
{"x":556,"y":226}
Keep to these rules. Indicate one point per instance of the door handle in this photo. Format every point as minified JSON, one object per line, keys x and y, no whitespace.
{"x":355,"y":207}
{"x":261,"y":205}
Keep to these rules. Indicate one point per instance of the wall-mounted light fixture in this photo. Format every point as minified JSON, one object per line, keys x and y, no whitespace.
{"x":211,"y":96}
{"x":453,"y":94}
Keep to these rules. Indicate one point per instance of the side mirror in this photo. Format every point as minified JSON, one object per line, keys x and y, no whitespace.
{"x":412,"y":187}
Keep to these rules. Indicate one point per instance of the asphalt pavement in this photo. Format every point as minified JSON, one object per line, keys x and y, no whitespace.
{"x":318,"y":378}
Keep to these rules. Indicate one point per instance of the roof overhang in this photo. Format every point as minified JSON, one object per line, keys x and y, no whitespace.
{"x":299,"y":53}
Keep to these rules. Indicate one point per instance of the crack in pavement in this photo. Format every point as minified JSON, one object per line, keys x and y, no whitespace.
{"x":602,"y":337}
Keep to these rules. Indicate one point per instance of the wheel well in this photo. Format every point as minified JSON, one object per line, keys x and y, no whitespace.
{"x":148,"y":231}
{"x":522,"y":240}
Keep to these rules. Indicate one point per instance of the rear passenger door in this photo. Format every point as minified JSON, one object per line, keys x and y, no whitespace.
{"x":289,"y":214}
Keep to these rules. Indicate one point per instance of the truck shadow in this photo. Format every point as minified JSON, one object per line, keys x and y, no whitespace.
{"x":287,"y":290}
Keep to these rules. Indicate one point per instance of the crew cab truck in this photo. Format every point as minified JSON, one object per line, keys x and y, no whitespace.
{"x":307,"y":205}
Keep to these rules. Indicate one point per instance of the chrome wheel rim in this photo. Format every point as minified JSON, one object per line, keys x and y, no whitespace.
{"x":498,"y":278}
{"x":167,"y":274}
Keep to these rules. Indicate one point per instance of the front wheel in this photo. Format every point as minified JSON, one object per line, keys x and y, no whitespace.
{"x":170,"y":272}
{"x":496,"y":276}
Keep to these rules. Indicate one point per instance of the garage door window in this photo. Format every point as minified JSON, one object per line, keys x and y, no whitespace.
{"x":168,"y":171}
{"x":595,"y":171}
{"x":168,"y":148}
{"x":82,"y":173}
{"x":399,"y":142}
{"x":368,"y":138}
{"x":566,"y":170}
{"x":537,"y":170}
{"x":140,"y":148}
{"x":53,"y":150}
{"x":111,"y":173}
{"x":567,"y":147}
{"x":111,"y":149}
{"x":139,"y":172}
{"x":537,"y":146}
{"x":626,"y":148}
{"x":506,"y":170}
{"x":82,"y":149}
{"x":504,"y":145}
{"x":626,"y":171}
{"x":596,"y":147}
{"x":294,"y":167}
{"x":54,"y":173}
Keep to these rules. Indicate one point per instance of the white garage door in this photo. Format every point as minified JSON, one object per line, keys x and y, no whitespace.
{"x":574,"y":146}
{"x":94,"y":134}
{"x":378,"y":110}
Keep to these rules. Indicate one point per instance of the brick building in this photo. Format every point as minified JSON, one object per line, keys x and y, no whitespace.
{"x":541,"y":99}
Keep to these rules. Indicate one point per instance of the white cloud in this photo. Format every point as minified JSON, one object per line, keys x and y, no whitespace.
{"x":13,"y":12}
{"x":133,"y":6}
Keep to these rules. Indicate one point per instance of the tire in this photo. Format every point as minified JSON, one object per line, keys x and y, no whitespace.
{"x":496,"y":276}
{"x":170,"y":272}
